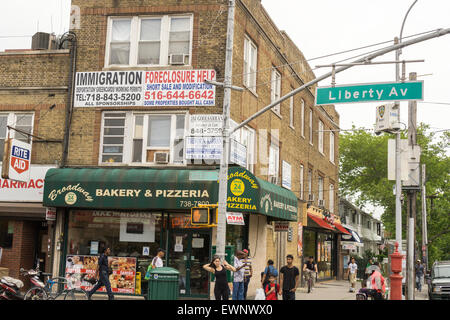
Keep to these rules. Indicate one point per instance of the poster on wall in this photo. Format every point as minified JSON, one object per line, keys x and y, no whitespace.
{"x":80,"y":269}
{"x":300,"y":240}
{"x":157,"y":88}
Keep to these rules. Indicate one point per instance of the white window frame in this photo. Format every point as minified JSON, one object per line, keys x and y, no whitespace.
{"x":275,"y":90}
{"x":311,"y":127}
{"x":310,"y":174}
{"x":274,"y":160}
{"x":238,"y":135}
{"x":291,"y":111}
{"x":127,"y":157}
{"x":286,"y":175}
{"x":332,"y":151}
{"x":302,"y":120}
{"x":301,"y":181}
{"x":320,"y":135}
{"x":331,"y":198}
{"x":135,"y":36}
{"x":320,"y":187}
{"x":12,"y":118}
{"x":250,"y":64}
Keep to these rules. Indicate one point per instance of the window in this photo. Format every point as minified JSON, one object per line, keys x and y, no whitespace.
{"x":246,"y":136}
{"x":302,"y":119}
{"x":354,"y":220}
{"x":320,"y":136}
{"x":310,"y":126}
{"x":369,"y":225}
{"x":320,"y":188}
{"x":309,"y":184}
{"x":135,"y":137}
{"x":159,"y":40}
{"x":301,"y":182}
{"x":331,"y":198}
{"x":291,"y":110}
{"x":21,"y":121}
{"x":6,"y":233}
{"x":250,"y":64}
{"x":275,"y":89}
{"x":379,"y":229}
{"x":274,"y":155}
{"x":331,"y":146}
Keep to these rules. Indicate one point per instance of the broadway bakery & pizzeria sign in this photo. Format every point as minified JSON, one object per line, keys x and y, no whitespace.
{"x":183,"y":88}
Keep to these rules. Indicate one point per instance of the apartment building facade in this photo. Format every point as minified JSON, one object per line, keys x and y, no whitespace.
{"x":133,"y":170}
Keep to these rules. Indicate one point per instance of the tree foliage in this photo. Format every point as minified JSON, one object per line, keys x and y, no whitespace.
{"x":363,"y":178}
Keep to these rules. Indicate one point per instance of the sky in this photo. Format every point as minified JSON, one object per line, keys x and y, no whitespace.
{"x":318,"y":28}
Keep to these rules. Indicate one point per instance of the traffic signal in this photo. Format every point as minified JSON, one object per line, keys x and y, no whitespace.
{"x":205,"y":215}
{"x":200,"y":216}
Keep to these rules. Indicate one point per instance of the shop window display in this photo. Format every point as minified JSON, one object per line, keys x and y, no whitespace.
{"x":133,"y":238}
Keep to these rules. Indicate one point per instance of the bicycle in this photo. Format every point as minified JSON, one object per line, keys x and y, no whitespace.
{"x":309,"y":279}
{"x":43,"y":291}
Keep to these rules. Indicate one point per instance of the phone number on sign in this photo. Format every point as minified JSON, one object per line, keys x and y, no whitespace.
{"x":109,"y":97}
{"x":169,"y":95}
{"x":189,"y":204}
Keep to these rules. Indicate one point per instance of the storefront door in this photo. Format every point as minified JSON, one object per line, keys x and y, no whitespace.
{"x":189,"y":250}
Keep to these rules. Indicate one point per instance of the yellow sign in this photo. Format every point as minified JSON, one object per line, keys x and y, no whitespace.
{"x":237,"y":187}
{"x":137,"y":290}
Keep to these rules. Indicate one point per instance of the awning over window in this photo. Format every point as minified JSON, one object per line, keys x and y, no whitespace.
{"x":165,"y":189}
{"x":354,"y":236}
{"x":320,"y":223}
{"x":341,"y":228}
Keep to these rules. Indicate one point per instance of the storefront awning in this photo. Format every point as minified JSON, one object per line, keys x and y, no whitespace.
{"x":354,"y":236}
{"x":341,"y":229}
{"x":320,"y":222}
{"x":165,"y":189}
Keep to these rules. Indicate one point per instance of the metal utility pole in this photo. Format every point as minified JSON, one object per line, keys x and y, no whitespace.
{"x":223,"y":172}
{"x":412,"y":194}
{"x":424,"y":221}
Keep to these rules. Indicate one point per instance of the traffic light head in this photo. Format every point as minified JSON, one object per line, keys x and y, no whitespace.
{"x":200,"y":216}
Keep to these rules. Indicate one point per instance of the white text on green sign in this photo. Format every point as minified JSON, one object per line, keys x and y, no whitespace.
{"x":371,"y":92}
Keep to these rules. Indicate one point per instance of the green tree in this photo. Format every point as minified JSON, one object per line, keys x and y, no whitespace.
{"x":363,"y":177}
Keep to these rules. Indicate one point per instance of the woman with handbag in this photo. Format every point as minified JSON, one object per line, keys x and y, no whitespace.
{"x":221,"y":289}
{"x":102,"y":273}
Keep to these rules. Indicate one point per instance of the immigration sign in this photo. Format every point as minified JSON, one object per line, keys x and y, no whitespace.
{"x":183,"y":88}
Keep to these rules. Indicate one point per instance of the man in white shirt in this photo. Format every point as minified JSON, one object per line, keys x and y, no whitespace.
{"x":352,"y":270}
{"x":157,"y":261}
{"x":238,"y":280}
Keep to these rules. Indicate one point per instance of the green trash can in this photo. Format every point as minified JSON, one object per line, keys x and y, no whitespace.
{"x":163,"y":284}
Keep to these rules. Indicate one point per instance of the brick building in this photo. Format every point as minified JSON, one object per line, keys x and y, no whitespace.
{"x":131,"y":150}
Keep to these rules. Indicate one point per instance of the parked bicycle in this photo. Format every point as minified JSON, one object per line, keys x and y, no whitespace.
{"x":54,"y":288}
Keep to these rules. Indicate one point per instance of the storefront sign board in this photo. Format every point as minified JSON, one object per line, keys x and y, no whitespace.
{"x":19,"y":160}
{"x":157,"y":88}
{"x":235,"y":218}
{"x":203,"y":148}
{"x":201,"y":125}
{"x":50,"y":214}
{"x":30,"y":191}
{"x":281,"y":226}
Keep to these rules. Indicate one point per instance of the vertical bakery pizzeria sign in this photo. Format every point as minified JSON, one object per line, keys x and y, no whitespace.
{"x":183,"y":88}
{"x":17,"y":163}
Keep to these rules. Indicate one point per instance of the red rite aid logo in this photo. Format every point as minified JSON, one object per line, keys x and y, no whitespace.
{"x":20,"y":159}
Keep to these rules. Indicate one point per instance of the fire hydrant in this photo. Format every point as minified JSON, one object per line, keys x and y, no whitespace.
{"x":396,"y":278}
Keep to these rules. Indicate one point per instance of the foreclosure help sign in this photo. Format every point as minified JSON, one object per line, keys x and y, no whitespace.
{"x":145,"y":88}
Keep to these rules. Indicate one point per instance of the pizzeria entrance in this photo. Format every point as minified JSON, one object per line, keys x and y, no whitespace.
{"x":188,"y":251}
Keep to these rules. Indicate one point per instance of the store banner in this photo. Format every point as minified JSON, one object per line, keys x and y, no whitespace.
{"x":235,"y":218}
{"x":183,"y":88}
{"x":281,"y":226}
{"x":18,"y":161}
{"x":81,"y":268}
{"x":50,"y":214}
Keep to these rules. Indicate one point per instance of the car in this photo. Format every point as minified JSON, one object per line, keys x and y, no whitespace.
{"x":439,"y":281}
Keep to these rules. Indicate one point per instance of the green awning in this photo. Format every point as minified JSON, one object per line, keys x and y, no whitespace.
{"x":164,"y":189}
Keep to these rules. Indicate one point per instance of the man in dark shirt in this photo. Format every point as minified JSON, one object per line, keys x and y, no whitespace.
{"x":289,"y":276}
{"x":310,"y":270}
{"x":102,"y":271}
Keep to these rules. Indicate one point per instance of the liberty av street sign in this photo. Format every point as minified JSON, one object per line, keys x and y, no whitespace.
{"x":370,"y":92}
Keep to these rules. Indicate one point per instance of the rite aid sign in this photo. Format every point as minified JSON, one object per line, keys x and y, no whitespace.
{"x":18,"y":160}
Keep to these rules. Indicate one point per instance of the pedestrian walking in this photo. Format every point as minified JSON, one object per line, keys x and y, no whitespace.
{"x":352,"y":271}
{"x":270,"y":269}
{"x":238,"y":277}
{"x":289,"y":276}
{"x":248,"y":271}
{"x":367,"y":270}
{"x":310,"y":271}
{"x":102,"y":274}
{"x":419,"y":275}
{"x":219,"y":270}
{"x":272,"y":289}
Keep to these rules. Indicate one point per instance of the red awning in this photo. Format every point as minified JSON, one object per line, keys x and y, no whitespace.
{"x":320,"y":222}
{"x":341,"y":228}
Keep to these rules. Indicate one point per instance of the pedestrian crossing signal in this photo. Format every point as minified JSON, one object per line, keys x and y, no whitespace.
{"x":204,"y":216}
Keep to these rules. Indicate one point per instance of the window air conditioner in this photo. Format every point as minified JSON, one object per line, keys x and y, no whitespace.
{"x":177,"y":59}
{"x":161,"y":157}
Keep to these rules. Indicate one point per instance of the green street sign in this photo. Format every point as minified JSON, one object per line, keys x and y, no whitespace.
{"x":370,"y":92}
